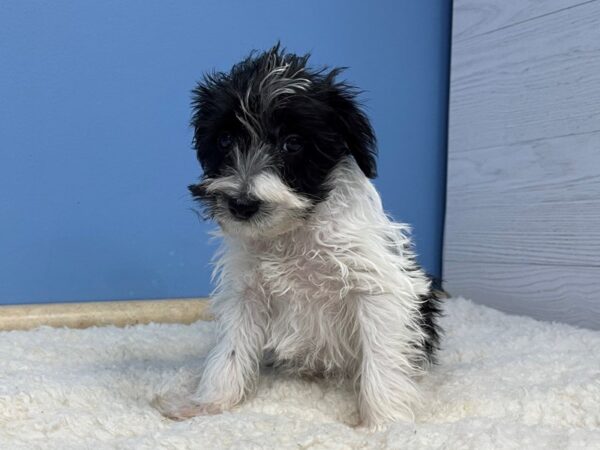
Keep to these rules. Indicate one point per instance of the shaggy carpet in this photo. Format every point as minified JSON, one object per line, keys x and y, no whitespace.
{"x":502,"y":382}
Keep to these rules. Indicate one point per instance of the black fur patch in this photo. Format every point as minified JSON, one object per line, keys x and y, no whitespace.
{"x":431,"y":310}
{"x":324,"y":117}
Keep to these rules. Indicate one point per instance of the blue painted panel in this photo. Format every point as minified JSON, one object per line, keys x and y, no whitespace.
{"x":95,"y":151}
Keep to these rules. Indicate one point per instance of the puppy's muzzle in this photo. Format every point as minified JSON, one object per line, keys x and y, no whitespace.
{"x":243,"y":209}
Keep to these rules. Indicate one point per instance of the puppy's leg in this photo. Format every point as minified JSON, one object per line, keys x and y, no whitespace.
{"x":231,"y":370}
{"x":390,"y":350}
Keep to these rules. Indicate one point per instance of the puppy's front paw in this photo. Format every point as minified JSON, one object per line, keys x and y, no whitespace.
{"x":181,"y":408}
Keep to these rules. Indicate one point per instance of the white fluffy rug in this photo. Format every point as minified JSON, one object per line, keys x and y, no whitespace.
{"x":502,"y":382}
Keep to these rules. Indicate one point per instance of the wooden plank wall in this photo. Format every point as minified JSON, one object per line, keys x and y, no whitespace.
{"x":522,"y":229}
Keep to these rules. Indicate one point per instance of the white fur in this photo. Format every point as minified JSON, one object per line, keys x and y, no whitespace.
{"x":265,"y":186}
{"x":269,"y":188}
{"x":337,"y":296}
{"x":278,"y":83}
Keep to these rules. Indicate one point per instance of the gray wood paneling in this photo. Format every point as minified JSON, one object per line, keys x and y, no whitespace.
{"x":556,"y":293}
{"x":535,"y":80}
{"x":537,"y":201}
{"x":475,"y":17}
{"x":523,"y":204}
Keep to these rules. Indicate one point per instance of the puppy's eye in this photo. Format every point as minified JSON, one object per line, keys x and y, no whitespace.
{"x":225,"y":140}
{"x":293,"y":144}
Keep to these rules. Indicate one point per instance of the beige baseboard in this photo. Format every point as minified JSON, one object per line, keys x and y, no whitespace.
{"x":118,"y":313}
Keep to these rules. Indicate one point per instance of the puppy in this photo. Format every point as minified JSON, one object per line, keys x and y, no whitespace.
{"x":313,"y":277}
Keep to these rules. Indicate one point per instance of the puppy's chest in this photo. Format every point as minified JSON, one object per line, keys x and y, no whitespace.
{"x":302,"y":277}
{"x":309,"y":303}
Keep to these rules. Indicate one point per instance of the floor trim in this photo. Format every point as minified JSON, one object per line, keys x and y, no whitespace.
{"x":89,"y":314}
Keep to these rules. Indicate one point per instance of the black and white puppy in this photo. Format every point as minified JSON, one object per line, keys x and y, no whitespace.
{"x":313,"y":276}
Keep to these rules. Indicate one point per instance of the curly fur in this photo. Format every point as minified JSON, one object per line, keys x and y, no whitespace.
{"x":318,"y":281}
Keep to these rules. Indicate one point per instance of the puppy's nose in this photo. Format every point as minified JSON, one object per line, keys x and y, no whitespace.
{"x":243,"y":209}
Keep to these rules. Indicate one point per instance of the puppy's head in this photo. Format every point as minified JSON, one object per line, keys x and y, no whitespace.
{"x":268,"y":134}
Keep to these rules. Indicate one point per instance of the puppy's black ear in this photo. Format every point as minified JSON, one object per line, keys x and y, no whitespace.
{"x":352,"y":124}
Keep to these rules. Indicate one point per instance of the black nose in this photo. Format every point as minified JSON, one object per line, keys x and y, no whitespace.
{"x":243,"y":209}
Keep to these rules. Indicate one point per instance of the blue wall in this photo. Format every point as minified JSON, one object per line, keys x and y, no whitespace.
{"x":95,"y":151}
